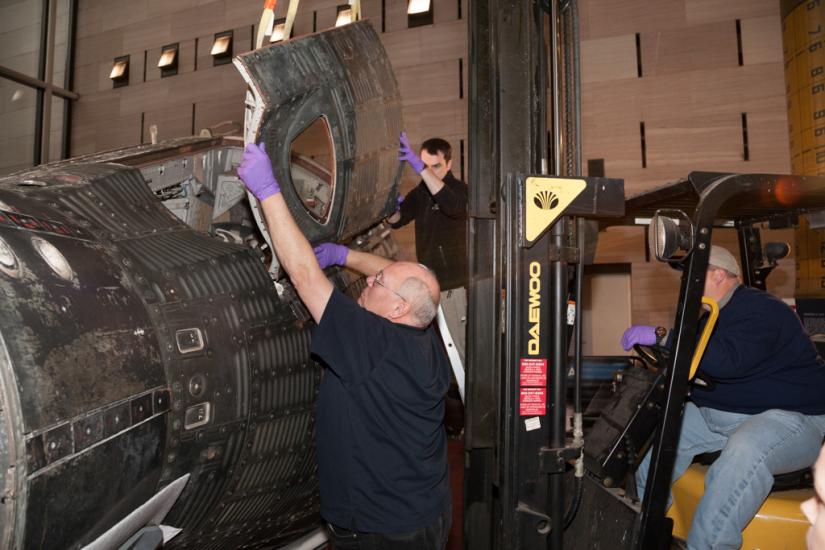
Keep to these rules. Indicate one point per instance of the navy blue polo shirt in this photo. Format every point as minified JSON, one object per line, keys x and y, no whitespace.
{"x":382,"y":449}
{"x":760,"y":358}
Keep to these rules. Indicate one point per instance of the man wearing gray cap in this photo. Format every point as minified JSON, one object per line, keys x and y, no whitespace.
{"x":764,"y":407}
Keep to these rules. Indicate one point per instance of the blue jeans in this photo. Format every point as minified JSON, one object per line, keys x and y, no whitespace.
{"x":754,"y":448}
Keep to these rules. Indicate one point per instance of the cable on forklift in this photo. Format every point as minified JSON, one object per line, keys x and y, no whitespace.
{"x":570,"y":515}
{"x":578,"y":433}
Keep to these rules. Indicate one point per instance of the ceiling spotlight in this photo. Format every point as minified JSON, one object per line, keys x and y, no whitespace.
{"x":222,"y":48}
{"x":344,"y":15}
{"x":120,"y":71}
{"x":168,"y":62}
{"x":168,"y":56}
{"x":418,"y":6}
{"x":278,"y":27}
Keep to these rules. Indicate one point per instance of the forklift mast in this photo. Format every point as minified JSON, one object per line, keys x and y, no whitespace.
{"x":524,"y":250}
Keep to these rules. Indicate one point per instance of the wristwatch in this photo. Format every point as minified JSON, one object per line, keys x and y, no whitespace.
{"x":661,"y":333}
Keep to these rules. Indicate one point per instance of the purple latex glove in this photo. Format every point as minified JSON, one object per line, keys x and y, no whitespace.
{"x":329,"y":254}
{"x":405,"y":152}
{"x":399,"y":200}
{"x":639,"y":334}
{"x":256,"y":172}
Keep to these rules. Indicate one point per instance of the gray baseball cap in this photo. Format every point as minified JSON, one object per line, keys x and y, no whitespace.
{"x":721,"y":257}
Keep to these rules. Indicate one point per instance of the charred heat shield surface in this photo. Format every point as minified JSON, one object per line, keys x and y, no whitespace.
{"x":134,"y":350}
{"x":344,"y":77}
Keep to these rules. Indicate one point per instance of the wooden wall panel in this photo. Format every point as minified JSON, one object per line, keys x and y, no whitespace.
{"x":303,"y":22}
{"x":752,"y":88}
{"x":654,"y":293}
{"x":769,"y":148}
{"x":612,"y":135}
{"x":203,"y":58}
{"x":395,"y":16}
{"x":424,"y":45}
{"x":152,"y":56}
{"x":127,"y":13}
{"x":242,"y":14}
{"x":371,"y":9}
{"x":147,"y":34}
{"x":601,"y":18}
{"x":186,"y":56}
{"x":437,"y":81}
{"x":439,"y":118}
{"x":681,"y":103}
{"x":621,"y":244}
{"x":711,"y":141}
{"x":602,"y":334}
{"x":761,"y":40}
{"x":170,"y":121}
{"x":325,"y":17}
{"x":699,"y":47}
{"x":610,"y":58}
{"x":698,"y":12}
{"x":447,"y":10}
{"x":192,"y":21}
{"x":86,"y":78}
{"x":164,"y":7}
{"x":100,"y":47}
{"x":212,"y":112}
{"x":89,"y":15}
{"x":691,"y":98}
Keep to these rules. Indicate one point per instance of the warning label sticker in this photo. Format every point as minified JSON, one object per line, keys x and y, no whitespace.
{"x":533,"y":402}
{"x":533,"y":372}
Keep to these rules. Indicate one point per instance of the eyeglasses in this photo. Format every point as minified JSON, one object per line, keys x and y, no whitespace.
{"x":378,"y":279}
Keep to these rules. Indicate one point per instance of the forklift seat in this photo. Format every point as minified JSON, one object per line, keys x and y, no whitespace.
{"x":778,"y":524}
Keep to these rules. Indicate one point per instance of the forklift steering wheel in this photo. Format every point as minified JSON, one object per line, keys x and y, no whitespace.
{"x":652,"y":356}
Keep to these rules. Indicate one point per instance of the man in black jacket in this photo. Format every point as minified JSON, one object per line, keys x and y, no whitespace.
{"x":438,"y":205}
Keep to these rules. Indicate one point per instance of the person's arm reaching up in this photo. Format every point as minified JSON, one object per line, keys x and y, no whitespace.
{"x":406,"y":153}
{"x":291,"y":246}
{"x":363,"y":262}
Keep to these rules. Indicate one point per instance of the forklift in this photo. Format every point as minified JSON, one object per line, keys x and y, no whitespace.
{"x":527,"y":484}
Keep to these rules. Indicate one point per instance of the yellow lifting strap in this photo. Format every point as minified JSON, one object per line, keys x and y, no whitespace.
{"x":290,"y":17}
{"x":703,"y":339}
{"x":356,"y":9}
{"x":267,"y":18}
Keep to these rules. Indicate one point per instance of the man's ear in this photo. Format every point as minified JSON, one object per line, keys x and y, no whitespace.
{"x":400,"y":309}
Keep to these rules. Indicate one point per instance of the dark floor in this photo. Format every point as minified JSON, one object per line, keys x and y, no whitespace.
{"x":455,"y":457}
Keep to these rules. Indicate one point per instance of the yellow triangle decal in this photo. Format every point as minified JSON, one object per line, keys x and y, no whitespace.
{"x":545,"y":200}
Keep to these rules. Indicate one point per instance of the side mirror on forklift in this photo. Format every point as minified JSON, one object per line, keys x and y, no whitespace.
{"x":671,"y":235}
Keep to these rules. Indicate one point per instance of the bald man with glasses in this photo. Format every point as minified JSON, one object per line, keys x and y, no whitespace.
{"x":381,"y":445}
